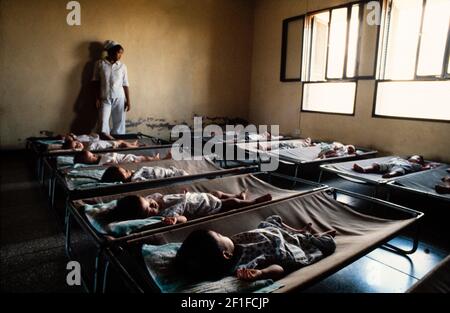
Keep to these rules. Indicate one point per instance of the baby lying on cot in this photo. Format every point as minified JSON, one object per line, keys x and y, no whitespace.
{"x":335,"y":149}
{"x":177,"y":208}
{"x":87,"y":157}
{"x":284,"y":145}
{"x":119,"y":174}
{"x":94,"y":142}
{"x":263,"y":253}
{"x":92,"y":136}
{"x":395,"y":166}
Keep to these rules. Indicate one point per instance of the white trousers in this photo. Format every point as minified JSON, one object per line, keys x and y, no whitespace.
{"x":114,"y":109}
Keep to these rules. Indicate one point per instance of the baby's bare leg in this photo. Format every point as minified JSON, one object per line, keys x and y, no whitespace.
{"x":126,"y":144}
{"x":153,"y":158}
{"x":235,"y":203}
{"x":330,"y":232}
{"x":374,"y":168}
{"x":222,"y":195}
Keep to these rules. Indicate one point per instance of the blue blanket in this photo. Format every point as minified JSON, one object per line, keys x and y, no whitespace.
{"x":117,"y":229}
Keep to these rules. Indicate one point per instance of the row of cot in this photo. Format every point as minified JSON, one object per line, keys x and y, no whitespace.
{"x":301,"y":157}
{"x":135,"y":249}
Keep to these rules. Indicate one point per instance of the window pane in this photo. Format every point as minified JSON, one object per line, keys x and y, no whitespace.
{"x":329,"y":97}
{"x":353,"y":41}
{"x":428,"y":100}
{"x":294,"y":48}
{"x":318,"y":51}
{"x":434,"y":37}
{"x":403,"y":39}
{"x":338,"y":39}
{"x":368,"y":45}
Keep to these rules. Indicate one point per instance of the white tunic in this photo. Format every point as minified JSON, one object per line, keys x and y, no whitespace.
{"x":100,"y":145}
{"x":156,"y":172}
{"x":190,"y":203}
{"x":115,"y":158}
{"x":112,"y":77}
{"x":93,"y":142}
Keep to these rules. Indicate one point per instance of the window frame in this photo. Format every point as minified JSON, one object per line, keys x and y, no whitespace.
{"x":383,"y":45}
{"x":381,"y":64}
{"x":284,"y":45}
{"x":344,"y":78}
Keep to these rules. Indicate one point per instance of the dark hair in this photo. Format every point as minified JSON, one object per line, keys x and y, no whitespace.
{"x":421,"y":159}
{"x":114,"y":49}
{"x":201,"y":257}
{"x":127,"y":208}
{"x":80,"y":157}
{"x":67,"y":144}
{"x":112,"y":174}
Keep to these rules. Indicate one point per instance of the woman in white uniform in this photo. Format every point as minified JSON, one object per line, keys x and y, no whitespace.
{"x":113,"y":97}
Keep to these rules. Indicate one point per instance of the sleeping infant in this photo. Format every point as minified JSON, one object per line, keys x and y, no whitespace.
{"x":176,"y":208}
{"x":87,"y":157}
{"x":119,"y":174}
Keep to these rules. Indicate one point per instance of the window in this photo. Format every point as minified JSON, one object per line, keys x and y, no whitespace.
{"x":415,"y":41}
{"x":319,"y":43}
{"x":291,"y":50}
{"x":417,"y":99}
{"x":332,"y":97}
{"x":414,"y":58}
{"x":334,"y":41}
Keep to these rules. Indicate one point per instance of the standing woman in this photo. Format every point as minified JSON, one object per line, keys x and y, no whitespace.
{"x":113,"y":98}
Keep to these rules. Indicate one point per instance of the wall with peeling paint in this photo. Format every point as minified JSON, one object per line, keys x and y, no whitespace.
{"x":184,"y":57}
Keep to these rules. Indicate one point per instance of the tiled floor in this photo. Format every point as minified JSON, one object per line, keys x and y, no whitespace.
{"x":32,"y":242}
{"x":33,"y":258}
{"x":382,"y":271}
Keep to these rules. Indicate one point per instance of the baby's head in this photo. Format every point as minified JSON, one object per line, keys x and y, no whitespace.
{"x":70,"y":136}
{"x":116,"y":174}
{"x":86,"y":157}
{"x":69,"y":143}
{"x":416,"y":159}
{"x":351,"y":149}
{"x":205,"y":254}
{"x":133,"y":207}
{"x":337,"y":145}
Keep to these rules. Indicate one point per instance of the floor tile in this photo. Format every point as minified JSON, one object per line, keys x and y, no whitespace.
{"x":365,"y":276}
{"x":417,"y":264}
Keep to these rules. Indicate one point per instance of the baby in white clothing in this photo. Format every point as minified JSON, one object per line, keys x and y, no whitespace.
{"x":87,"y":157}
{"x":119,"y":174}
{"x":177,"y":208}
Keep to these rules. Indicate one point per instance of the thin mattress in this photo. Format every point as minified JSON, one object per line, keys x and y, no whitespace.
{"x":231,"y":184}
{"x":67,"y":160}
{"x":55,"y":149}
{"x":357,"y":233}
{"x":424,"y":182}
{"x":88,"y":178}
{"x":346,"y":169}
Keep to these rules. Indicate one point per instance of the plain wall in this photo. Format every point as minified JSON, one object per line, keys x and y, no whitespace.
{"x":275,"y":102}
{"x":184,"y":57}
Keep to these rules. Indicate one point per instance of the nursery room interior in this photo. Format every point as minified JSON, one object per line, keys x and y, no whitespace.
{"x":238,"y":146}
